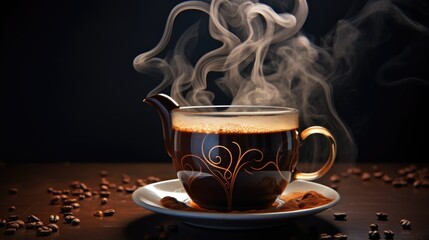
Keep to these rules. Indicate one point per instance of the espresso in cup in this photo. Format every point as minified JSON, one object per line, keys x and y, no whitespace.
{"x":238,"y":157}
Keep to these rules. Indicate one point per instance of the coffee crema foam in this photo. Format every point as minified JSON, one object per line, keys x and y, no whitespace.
{"x":234,"y":124}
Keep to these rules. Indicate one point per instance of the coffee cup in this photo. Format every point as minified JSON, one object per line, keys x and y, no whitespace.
{"x":238,"y":158}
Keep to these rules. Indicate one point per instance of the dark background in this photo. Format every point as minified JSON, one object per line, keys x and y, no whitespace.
{"x":69,"y":91}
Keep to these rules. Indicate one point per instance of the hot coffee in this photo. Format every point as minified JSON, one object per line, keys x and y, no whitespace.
{"x":235,"y":160}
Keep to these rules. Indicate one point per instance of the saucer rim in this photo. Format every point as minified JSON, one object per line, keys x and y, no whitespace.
{"x":139,"y":198}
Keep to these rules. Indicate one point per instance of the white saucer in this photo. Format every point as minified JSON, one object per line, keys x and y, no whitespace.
{"x":149,"y":197}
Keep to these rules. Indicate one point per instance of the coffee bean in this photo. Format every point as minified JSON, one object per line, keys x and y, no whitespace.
{"x":38,"y":224}
{"x":19,"y":222}
{"x":67,"y":214}
{"x":340,"y":236}
{"x":104,"y":173}
{"x":55,"y":200}
{"x":69,"y":201}
{"x":84,"y":187}
{"x":32,"y":218}
{"x":126,"y":179}
{"x":325,"y":236}
{"x":66,"y":208}
{"x":335,"y":178}
{"x":406,"y":224}
{"x":120,"y":188}
{"x":54,"y":218}
{"x":44,"y":231}
{"x":373,"y":235}
{"x":104,"y":181}
{"x":88,"y":194}
{"x":75,"y":221}
{"x":10,"y":231}
{"x":382,"y":216}
{"x":57,"y":192}
{"x":104,"y":201}
{"x":152,"y":179}
{"x":2,"y":222}
{"x":13,"y":190}
{"x":75,"y":184}
{"x":388,"y":234}
{"x":386,"y":178}
{"x":77,"y":192}
{"x":104,"y":194}
{"x":69,"y":218}
{"x":104,"y":187}
{"x":98,"y":213}
{"x":75,"y":205}
{"x":63,"y":197}
{"x":399,"y":183}
{"x":140,"y":182}
{"x":108,"y":212}
{"x":13,"y":217}
{"x":334,"y":186}
{"x":12,"y":225}
{"x":365,"y":176}
{"x":373,"y":226}
{"x":340,"y":215}
{"x":53,"y":226}
{"x":130,"y":189}
{"x":378,"y":174}
{"x":12,"y":208}
{"x":30,"y":225}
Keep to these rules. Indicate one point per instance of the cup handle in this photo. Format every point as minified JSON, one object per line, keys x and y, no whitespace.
{"x":331,"y":158}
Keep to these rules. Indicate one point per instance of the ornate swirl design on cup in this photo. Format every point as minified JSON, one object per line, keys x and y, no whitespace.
{"x":226,"y":176}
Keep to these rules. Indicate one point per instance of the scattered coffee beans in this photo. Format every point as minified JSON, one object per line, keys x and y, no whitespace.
{"x":19,"y":222}
{"x":325,"y":236}
{"x":108,"y":212}
{"x":335,"y":178}
{"x":386,"y":178}
{"x":373,"y":235}
{"x":53,"y":226}
{"x":69,"y":218}
{"x":13,"y":190}
{"x":32,"y":218}
{"x":55,"y":200}
{"x":382,"y":216}
{"x":97,"y":213}
{"x":373,"y":226}
{"x":75,"y":221}
{"x":66,"y":208}
{"x":406,"y":224}
{"x":388,"y":234}
{"x":365,"y":176}
{"x":105,"y":194}
{"x":12,"y":225}
{"x":54,"y":218}
{"x":340,"y":216}
{"x":44,"y":231}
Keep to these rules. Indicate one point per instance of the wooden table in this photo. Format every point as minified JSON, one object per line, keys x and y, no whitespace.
{"x":360,"y":199}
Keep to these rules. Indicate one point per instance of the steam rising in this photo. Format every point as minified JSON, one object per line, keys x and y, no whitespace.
{"x":264,"y":59}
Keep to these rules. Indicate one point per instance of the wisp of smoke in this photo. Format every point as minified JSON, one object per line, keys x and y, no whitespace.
{"x":264,"y":59}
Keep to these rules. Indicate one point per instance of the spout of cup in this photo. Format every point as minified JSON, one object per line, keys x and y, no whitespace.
{"x":164,"y":104}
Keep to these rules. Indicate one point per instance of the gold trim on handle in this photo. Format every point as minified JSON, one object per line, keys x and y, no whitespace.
{"x":333,"y":151}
